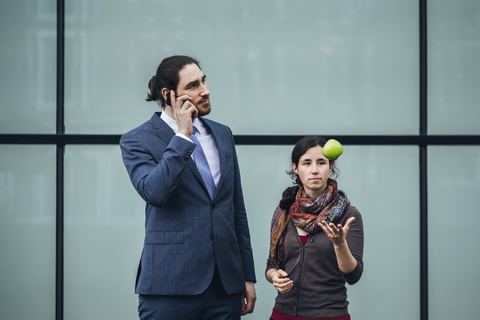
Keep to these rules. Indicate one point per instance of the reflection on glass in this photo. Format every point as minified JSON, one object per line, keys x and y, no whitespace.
{"x":382,"y":182}
{"x":453,"y":68}
{"x":28,"y":38}
{"x":273,"y":67}
{"x":453,"y":221}
{"x":104,"y":226}
{"x":27,"y":232}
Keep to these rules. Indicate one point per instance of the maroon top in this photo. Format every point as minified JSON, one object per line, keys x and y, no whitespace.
{"x":304,"y":239}
{"x":277,"y":315}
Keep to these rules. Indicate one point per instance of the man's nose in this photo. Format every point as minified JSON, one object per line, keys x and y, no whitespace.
{"x":205,"y":91}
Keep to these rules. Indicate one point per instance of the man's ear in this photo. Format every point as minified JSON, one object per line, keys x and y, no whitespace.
{"x":165,"y":93}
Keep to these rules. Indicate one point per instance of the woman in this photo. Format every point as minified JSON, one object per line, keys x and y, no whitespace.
{"x":316,"y":241}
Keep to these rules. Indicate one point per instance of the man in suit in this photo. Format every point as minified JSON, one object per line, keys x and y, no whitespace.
{"x":197,"y":260}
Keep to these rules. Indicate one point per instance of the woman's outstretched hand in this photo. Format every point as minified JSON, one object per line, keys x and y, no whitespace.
{"x":337,"y":234}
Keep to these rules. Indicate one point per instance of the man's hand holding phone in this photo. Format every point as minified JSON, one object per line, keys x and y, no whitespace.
{"x":184,"y":112}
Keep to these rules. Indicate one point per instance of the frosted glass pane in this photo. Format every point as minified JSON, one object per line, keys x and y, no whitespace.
{"x":263,"y":180}
{"x":454,"y":282}
{"x":27,"y":232}
{"x":453,"y":67}
{"x":104,"y":227}
{"x":28,"y":66}
{"x":353,"y":63}
{"x":377,"y":180}
{"x":383,"y":183}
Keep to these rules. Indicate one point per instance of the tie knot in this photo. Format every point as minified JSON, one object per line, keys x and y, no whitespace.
{"x":194,"y":129}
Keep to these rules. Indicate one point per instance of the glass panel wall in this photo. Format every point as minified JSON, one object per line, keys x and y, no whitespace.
{"x":263,"y":180}
{"x":271,"y":66}
{"x":28,"y":38}
{"x":382,"y":182}
{"x":27,"y":232}
{"x":453,"y":188}
{"x":454,"y":71}
{"x":104,"y":228}
{"x":265,"y":61}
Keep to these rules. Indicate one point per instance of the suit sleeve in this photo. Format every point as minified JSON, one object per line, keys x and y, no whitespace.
{"x":155,"y":176}
{"x":241,"y":223}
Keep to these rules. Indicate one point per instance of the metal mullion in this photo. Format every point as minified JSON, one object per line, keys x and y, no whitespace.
{"x":60,"y":130}
{"x":358,"y":140}
{"x":423,"y":161}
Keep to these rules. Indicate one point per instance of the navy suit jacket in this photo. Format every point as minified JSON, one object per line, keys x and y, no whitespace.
{"x":186,"y":232}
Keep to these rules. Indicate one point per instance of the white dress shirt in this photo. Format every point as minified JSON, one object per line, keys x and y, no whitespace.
{"x":206,"y":140}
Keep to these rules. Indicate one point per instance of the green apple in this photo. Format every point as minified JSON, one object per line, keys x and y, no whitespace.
{"x":332,"y":149}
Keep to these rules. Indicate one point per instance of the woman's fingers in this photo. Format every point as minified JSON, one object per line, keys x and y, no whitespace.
{"x":281,"y":282}
{"x":283,"y":287}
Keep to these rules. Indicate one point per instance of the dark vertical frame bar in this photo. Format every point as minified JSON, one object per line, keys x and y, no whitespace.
{"x":423,"y":234}
{"x":60,"y":130}
{"x":59,"y":237}
{"x":423,"y":164}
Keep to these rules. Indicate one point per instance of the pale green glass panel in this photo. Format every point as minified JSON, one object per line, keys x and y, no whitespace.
{"x":349,"y":67}
{"x":382,"y":182}
{"x":27,"y":232}
{"x":263,"y":175}
{"x":453,"y":219}
{"x":453,"y":67}
{"x":104,"y":227}
{"x":28,"y":38}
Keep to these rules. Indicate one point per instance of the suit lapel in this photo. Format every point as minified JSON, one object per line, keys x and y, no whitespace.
{"x":219,"y":142}
{"x":161,"y":128}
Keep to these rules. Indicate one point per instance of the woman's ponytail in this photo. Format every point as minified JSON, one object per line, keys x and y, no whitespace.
{"x":288,"y":197}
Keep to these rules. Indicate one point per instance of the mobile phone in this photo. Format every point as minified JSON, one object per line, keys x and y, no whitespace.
{"x":169,"y":101}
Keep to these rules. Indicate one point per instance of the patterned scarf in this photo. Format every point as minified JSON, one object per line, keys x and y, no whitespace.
{"x":306,"y":213}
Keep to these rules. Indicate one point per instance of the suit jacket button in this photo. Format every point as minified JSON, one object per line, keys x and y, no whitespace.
{"x":213,"y":206}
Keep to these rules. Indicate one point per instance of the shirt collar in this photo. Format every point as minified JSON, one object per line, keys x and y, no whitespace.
{"x":173,"y":124}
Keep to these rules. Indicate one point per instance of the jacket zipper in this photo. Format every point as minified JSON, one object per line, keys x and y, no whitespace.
{"x":299,"y":280}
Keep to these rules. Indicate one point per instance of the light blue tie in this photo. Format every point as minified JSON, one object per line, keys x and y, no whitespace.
{"x":202,"y":164}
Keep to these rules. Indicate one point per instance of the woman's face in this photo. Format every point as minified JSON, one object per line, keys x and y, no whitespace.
{"x":313,"y":169}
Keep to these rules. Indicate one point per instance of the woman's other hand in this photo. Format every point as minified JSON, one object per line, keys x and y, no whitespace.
{"x":280,"y":281}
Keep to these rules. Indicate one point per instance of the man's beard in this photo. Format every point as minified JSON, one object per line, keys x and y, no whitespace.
{"x":204,"y":110}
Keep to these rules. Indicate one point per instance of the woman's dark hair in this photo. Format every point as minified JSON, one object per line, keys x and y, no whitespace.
{"x":167,"y":77}
{"x":302,"y":146}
